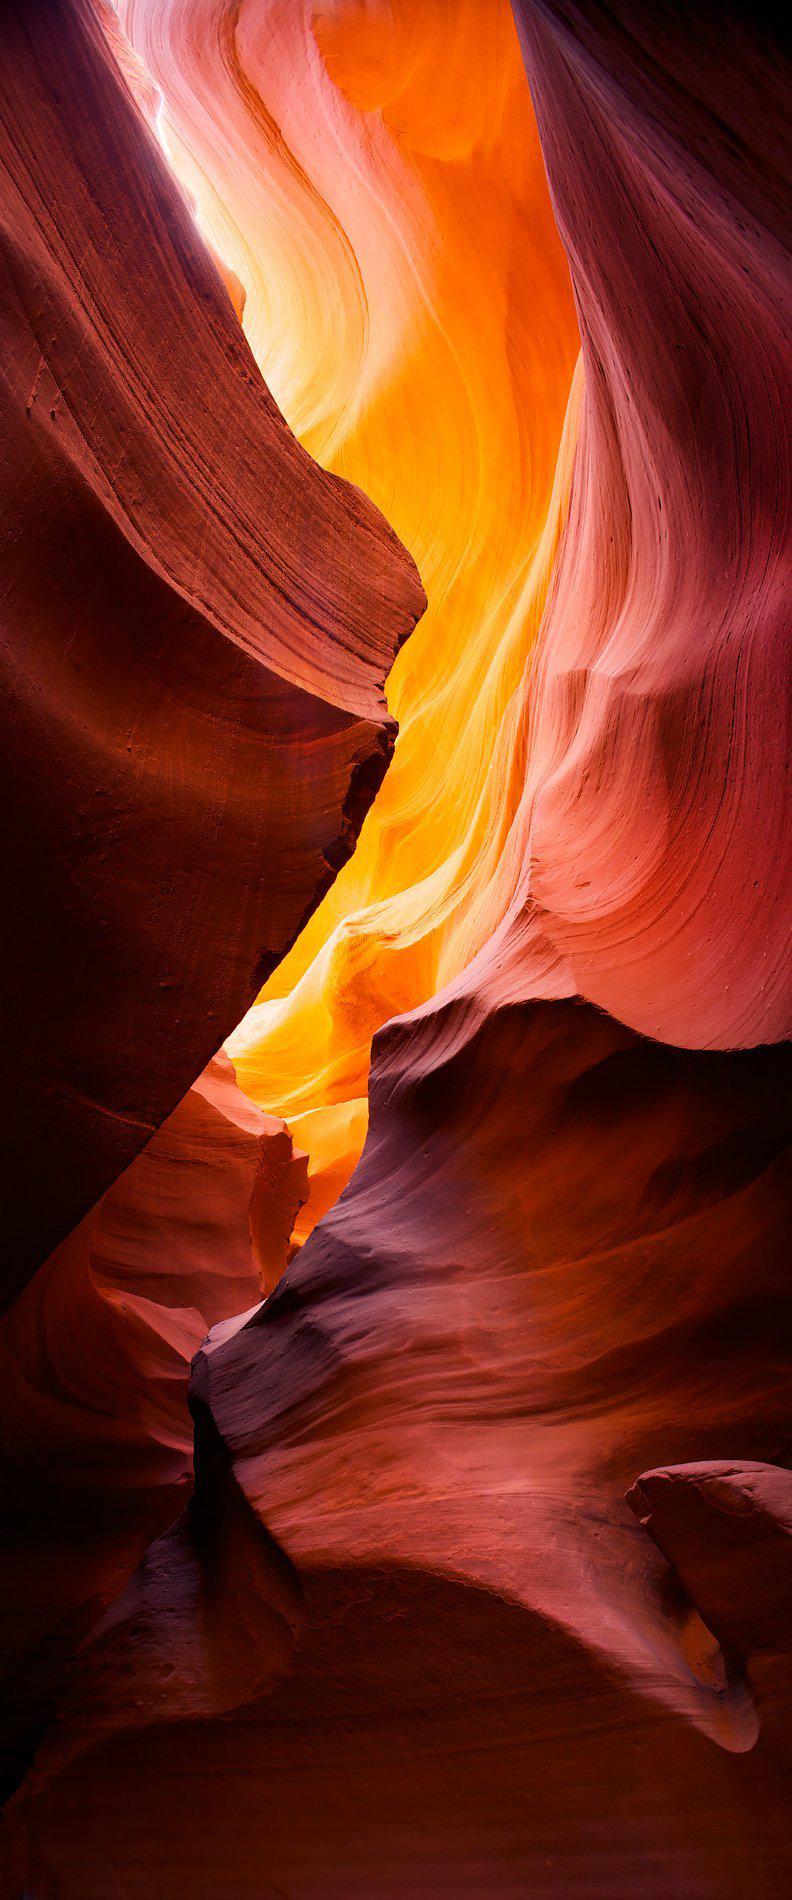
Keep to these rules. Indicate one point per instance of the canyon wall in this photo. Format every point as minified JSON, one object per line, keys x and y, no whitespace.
{"x":482,"y":1587}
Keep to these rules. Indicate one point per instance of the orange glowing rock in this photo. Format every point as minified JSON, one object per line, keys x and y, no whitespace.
{"x":383,"y":201}
{"x":601,"y":788}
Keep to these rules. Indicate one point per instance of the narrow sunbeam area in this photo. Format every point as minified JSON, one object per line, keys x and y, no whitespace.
{"x":382,"y":201}
{"x":395,"y":1343}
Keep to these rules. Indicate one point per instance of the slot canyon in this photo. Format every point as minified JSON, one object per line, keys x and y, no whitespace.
{"x":395,"y":1333}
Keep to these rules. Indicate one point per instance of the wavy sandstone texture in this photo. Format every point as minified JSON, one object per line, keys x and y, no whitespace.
{"x":483,"y":1587}
{"x":197,"y":625}
{"x":660,"y":841}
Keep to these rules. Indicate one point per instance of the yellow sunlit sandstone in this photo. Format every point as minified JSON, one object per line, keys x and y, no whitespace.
{"x":382,"y":199}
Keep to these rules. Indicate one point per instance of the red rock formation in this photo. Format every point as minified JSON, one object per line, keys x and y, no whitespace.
{"x":436,"y":1416}
{"x":727,"y":1530}
{"x":95,"y":1433}
{"x":197,"y":624}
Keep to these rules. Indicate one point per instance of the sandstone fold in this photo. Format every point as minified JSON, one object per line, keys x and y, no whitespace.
{"x":197,"y":623}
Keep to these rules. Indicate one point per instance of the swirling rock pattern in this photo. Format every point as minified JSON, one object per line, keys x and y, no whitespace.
{"x":197,"y":625}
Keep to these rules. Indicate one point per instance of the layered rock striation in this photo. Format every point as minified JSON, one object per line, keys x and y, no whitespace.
{"x":197,"y":625}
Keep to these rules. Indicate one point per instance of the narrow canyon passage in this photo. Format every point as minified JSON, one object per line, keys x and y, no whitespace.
{"x":395,"y":1376}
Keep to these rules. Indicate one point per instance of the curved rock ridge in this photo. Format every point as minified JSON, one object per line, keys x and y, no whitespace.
{"x":197,"y":625}
{"x":95,"y":1432}
{"x":562,"y":1260}
{"x":657,"y":789}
